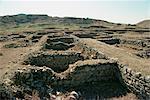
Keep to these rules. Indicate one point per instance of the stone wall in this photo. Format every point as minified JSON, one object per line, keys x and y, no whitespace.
{"x":28,"y":79}
{"x":144,"y":54}
{"x":59,"y":43}
{"x":91,"y":53}
{"x":64,"y":39}
{"x":57,"y":61}
{"x":139,"y":43}
{"x":58,"y":46}
{"x":136,"y":82}
{"x":87,"y":71}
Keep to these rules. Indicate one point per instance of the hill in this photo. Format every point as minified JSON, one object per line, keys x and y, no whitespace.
{"x":144,"y":24}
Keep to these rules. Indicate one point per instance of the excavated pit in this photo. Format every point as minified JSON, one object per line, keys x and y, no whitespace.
{"x":57,"y":61}
{"x":92,"y":78}
{"x":110,"y":41}
{"x":59,"y":43}
{"x":99,"y":76}
{"x":68,"y":40}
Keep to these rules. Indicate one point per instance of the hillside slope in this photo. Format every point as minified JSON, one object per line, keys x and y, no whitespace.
{"x":144,"y":24}
{"x":36,"y":18}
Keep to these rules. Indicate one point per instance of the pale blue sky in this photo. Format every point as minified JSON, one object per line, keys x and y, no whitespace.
{"x":123,"y":11}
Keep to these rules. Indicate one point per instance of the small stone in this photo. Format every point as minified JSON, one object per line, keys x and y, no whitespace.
{"x":147,"y":79}
{"x":142,"y":78}
{"x":28,"y":65}
{"x":121,"y":66}
{"x":130,"y":82}
{"x":57,"y":93}
{"x":138,"y":74}
{"x":43,"y":69}
{"x":74,"y":94}
{"x":129,"y":70}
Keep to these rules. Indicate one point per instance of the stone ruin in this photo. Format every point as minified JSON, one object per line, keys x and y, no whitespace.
{"x":61,"y":43}
{"x":58,"y":61}
{"x":65,"y":64}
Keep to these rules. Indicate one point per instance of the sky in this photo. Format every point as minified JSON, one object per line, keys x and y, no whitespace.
{"x":119,"y":11}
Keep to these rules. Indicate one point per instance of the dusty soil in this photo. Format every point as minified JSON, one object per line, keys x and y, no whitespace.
{"x":122,"y":55}
{"x":15,"y":55}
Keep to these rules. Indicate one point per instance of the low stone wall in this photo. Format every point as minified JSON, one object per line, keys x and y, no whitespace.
{"x":59,"y":43}
{"x":87,"y":71}
{"x":91,"y":53}
{"x":64,"y":39}
{"x":28,"y":79}
{"x":58,"y":46}
{"x":139,"y":43}
{"x":136,"y":82}
{"x":57,"y":61}
{"x":144,"y":54}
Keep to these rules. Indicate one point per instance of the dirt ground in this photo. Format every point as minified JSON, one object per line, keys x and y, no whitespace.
{"x":123,"y":56}
{"x":15,"y":55}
